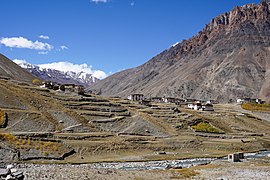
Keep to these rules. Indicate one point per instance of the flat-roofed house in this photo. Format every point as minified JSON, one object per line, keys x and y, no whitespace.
{"x":136,"y":97}
{"x":79,"y":89}
{"x":197,"y":105}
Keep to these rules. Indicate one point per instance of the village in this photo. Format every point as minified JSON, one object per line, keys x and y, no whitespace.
{"x":139,"y":121}
{"x":79,"y":89}
{"x":191,"y":103}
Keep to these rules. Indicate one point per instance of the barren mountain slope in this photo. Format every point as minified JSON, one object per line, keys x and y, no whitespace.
{"x":11,"y":70}
{"x":229,"y":58}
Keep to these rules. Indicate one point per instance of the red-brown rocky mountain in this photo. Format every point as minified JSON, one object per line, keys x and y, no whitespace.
{"x":10,"y":70}
{"x":229,"y":58}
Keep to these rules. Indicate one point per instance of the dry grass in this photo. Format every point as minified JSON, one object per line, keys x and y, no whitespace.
{"x":2,"y":118}
{"x":185,"y":173}
{"x":256,"y":107}
{"x":109,"y":147}
{"x":205,"y":127}
{"x":30,"y":144}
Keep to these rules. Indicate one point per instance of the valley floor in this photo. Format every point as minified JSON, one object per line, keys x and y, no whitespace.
{"x":45,"y":126}
{"x":220,"y":169}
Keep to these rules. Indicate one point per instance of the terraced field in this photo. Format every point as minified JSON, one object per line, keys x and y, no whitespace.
{"x":91,"y":128}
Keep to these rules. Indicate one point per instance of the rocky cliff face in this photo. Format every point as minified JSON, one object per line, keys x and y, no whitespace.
{"x":229,"y":58}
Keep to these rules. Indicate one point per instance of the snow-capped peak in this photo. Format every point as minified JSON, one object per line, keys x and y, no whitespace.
{"x":63,"y":72}
{"x":23,"y":63}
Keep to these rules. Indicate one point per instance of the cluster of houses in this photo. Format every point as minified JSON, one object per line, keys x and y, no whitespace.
{"x":198,"y":105}
{"x":140,"y":97}
{"x":249,"y":100}
{"x":79,"y":89}
{"x":192,"y":103}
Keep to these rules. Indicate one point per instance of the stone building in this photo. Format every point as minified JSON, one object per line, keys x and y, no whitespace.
{"x":236,"y":157}
{"x":136,"y":97}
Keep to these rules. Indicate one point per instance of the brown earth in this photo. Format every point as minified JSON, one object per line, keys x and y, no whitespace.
{"x":11,"y":70}
{"x":113,"y":129}
{"x":228,"y":59}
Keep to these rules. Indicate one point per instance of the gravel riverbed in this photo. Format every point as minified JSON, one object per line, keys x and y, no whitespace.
{"x":255,"y":166}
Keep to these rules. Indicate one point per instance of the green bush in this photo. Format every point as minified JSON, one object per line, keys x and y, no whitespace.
{"x":205,"y":127}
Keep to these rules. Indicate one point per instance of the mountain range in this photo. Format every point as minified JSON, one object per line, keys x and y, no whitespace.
{"x":228,"y":59}
{"x":63,"y":77}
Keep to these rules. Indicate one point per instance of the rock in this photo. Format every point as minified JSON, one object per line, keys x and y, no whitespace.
{"x":226,"y":60}
{"x":4,"y":172}
{"x":161,"y":153}
{"x":266,"y":1}
{"x":10,"y":166}
{"x":13,"y":170}
{"x":18,"y":175}
{"x":9,"y":177}
{"x":53,"y":75}
{"x":147,"y":131}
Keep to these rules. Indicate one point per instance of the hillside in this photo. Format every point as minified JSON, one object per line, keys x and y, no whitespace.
{"x":44,"y":124}
{"x":229,"y":58}
{"x":11,"y":70}
{"x":47,"y":126}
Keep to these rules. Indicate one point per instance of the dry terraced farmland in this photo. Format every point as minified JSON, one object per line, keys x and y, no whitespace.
{"x":89,"y":128}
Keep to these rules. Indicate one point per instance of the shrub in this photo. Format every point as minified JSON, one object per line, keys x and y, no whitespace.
{"x":30,"y":144}
{"x":2,"y":118}
{"x":205,"y":127}
{"x":256,"y":107}
{"x":8,"y":137}
{"x":36,"y":82}
{"x":46,"y":153}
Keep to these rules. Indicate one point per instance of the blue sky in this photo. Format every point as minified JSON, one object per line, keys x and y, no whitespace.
{"x":109,"y":35}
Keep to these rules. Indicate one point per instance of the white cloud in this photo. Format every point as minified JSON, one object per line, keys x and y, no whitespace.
{"x":21,"y":42}
{"x":20,"y":61}
{"x":44,"y":37}
{"x":67,"y":66}
{"x":43,"y":52}
{"x":99,"y":1}
{"x":63,"y":47}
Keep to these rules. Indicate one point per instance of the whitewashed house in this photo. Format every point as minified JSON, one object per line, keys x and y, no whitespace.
{"x":240,"y":101}
{"x":190,"y":105}
{"x":197,"y":105}
{"x":136,"y":97}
